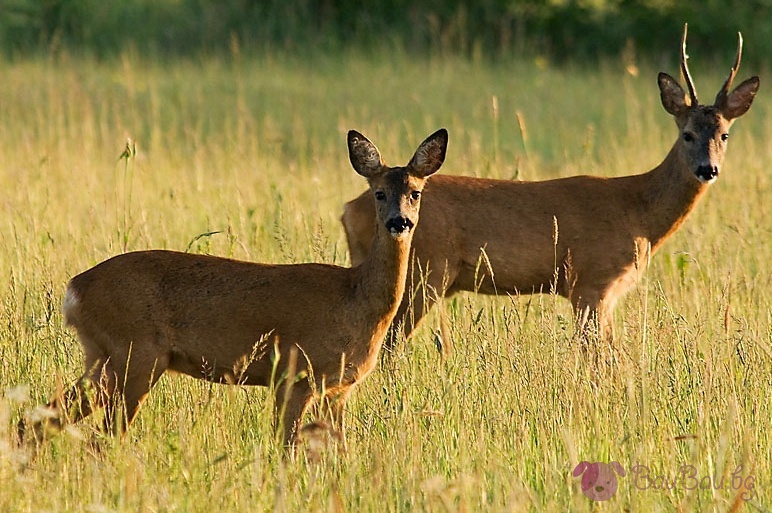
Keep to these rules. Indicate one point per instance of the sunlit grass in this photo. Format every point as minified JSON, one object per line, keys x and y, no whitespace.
{"x":248,"y":159}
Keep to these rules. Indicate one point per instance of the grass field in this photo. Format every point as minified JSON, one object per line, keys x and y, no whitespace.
{"x":247,"y":158}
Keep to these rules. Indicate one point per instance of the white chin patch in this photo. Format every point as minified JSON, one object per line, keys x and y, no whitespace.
{"x":397,"y":234}
{"x":707,"y":180}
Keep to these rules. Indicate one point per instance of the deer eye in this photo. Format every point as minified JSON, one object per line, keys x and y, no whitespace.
{"x":724,"y":137}
{"x":688,"y":137}
{"x":380,"y":195}
{"x":415,"y":195}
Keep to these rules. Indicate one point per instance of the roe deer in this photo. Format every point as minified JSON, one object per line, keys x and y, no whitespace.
{"x":585,"y":238}
{"x":304,"y":328}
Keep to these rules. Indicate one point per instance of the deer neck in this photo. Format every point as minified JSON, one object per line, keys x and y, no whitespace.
{"x":382,"y":275}
{"x":670,"y":196}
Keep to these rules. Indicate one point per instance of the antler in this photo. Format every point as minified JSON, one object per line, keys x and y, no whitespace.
{"x":722,"y":94}
{"x":685,"y":69}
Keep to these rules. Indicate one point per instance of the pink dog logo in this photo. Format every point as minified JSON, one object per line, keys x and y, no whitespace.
{"x":599,"y":482}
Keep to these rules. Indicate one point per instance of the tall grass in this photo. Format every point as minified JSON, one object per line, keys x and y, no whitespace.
{"x":247,"y":159}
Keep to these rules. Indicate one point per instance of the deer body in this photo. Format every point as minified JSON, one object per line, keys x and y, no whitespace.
{"x":230,"y":310}
{"x":600,"y":250}
{"x":583,"y":237}
{"x":305,"y":328}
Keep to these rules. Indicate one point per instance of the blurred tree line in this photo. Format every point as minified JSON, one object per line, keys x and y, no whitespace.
{"x":555,"y":29}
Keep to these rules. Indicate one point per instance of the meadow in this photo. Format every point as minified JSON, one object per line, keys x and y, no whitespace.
{"x":245,"y":157}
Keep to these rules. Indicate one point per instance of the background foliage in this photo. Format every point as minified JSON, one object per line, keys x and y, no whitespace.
{"x":253,"y":153}
{"x":551,"y":28}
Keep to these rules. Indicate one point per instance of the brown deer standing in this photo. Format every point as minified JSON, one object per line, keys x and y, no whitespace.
{"x":140,"y":314}
{"x":585,"y":238}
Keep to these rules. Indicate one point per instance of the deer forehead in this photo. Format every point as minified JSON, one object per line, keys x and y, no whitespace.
{"x":398,"y":180}
{"x":706,"y":122}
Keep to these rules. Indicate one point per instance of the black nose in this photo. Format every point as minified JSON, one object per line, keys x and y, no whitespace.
{"x":399,"y":224}
{"x":707,"y":173}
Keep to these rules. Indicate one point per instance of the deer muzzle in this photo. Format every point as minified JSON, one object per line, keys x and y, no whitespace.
{"x":399,"y":226}
{"x":707,"y":173}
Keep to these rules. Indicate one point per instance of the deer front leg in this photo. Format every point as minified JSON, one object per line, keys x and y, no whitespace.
{"x":425,"y":287}
{"x":335,"y":411}
{"x":397,"y":333}
{"x":291,"y":404}
{"x":593,"y":319}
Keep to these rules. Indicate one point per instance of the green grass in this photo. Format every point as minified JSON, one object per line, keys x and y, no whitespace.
{"x":252,"y":153}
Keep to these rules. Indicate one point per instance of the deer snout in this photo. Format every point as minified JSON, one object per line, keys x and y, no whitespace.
{"x":399,"y":226}
{"x":706,"y":173}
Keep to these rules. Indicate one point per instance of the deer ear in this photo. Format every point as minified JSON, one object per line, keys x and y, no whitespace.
{"x":580,"y":468}
{"x":618,"y":467}
{"x":673,"y":96}
{"x":737,"y":103}
{"x":364,"y":156}
{"x":430,"y":155}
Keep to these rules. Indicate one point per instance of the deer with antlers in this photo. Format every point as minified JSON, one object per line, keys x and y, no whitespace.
{"x":306,"y":329}
{"x":585,"y":238}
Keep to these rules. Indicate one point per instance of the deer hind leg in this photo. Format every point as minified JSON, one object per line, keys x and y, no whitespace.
{"x":76,"y":403}
{"x":129,"y":377}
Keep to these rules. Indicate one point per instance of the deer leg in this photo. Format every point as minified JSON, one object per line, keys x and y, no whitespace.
{"x":421,"y":293}
{"x":396,"y":333}
{"x":327,"y":432}
{"x":594,"y":319}
{"x":291,"y":404}
{"x":75,"y":404}
{"x":318,"y":438}
{"x":336,"y":409}
{"x":585,"y":316}
{"x":336,"y":405}
{"x":605,"y":323}
{"x":132,"y":382}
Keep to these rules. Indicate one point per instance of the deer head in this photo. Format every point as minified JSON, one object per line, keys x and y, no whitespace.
{"x":397,"y":190}
{"x":704,"y":129}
